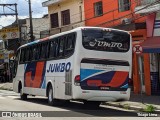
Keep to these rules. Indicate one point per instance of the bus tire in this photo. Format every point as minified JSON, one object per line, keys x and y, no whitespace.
{"x":51,"y":100}
{"x":92,"y":104}
{"x":22,"y":95}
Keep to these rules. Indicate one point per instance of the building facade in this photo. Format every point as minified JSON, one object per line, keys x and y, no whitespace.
{"x":64,"y":15}
{"x":151,"y":46}
{"x":115,"y":13}
{"x":39,"y":24}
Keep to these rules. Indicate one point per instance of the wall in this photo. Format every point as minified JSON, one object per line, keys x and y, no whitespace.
{"x":150,"y":24}
{"x":73,"y":5}
{"x":139,"y":36}
{"x":39,"y":24}
{"x":110,"y":12}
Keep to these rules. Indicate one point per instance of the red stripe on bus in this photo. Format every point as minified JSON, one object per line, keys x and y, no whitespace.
{"x":94,"y":82}
{"x":118,"y":79}
{"x":36,"y":82}
{"x":27,"y":79}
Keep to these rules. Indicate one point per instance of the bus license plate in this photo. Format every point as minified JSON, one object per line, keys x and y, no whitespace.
{"x":104,"y":88}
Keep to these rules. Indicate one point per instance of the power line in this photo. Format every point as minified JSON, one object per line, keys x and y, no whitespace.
{"x":91,"y":17}
{"x":114,"y":19}
{"x":6,"y":14}
{"x":75,"y":13}
{"x":107,"y":3}
{"x":130,"y":13}
{"x":110,"y":12}
{"x":75,"y":22}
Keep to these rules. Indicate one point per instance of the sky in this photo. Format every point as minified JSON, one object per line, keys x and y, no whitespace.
{"x":23,"y":10}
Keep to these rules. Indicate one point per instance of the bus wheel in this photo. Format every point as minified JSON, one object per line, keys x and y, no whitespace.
{"x":51,"y":101}
{"x":92,"y":104}
{"x":22,"y":95}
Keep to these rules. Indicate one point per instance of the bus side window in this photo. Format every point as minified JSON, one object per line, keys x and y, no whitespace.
{"x":44,"y":51}
{"x":53,"y":49}
{"x":28,"y":54}
{"x":35,"y":52}
{"x":61,"y":46}
{"x":25,"y":55}
{"x":70,"y":43}
{"x":38,"y":52}
{"x":17,"y":56}
{"x":22,"y":56}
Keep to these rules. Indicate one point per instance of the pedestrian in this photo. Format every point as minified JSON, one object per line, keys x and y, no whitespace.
{"x":8,"y":75}
{"x":1,"y":77}
{"x":5,"y":76}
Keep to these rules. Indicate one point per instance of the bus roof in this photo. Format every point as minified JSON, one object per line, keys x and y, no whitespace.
{"x":66,"y":32}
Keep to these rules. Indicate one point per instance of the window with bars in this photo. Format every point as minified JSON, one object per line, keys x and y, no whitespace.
{"x":98,"y":8}
{"x":65,"y":16}
{"x":124,"y":5}
{"x":54,"y":20}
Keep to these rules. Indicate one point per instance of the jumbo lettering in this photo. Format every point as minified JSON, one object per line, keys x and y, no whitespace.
{"x":59,"y":67}
{"x":105,"y":44}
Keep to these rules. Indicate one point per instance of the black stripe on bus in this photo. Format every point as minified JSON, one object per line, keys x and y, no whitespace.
{"x":105,"y":62}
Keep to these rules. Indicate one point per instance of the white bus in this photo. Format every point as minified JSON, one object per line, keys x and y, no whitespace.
{"x":90,"y":64}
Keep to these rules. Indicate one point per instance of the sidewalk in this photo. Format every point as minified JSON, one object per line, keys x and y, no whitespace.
{"x":6,"y":86}
{"x":136,"y":102}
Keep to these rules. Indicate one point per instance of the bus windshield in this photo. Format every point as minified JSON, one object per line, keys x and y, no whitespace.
{"x":105,"y":40}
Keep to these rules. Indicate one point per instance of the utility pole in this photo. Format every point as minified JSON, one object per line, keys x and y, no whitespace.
{"x":16,"y":13}
{"x":30,"y":18}
{"x":8,"y":6}
{"x":6,"y":52}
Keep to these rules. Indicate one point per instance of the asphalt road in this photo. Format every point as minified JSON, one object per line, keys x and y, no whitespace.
{"x":35,"y":107}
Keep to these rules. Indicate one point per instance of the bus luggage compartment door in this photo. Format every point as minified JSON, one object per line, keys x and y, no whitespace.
{"x":110,"y":75}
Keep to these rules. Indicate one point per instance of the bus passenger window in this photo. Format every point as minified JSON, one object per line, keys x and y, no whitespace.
{"x":70,"y":44}
{"x":22,"y":56}
{"x":53,"y":49}
{"x":30,"y":54}
{"x":44,"y":51}
{"x":27,"y":57}
{"x":36,"y":51}
{"x":61,"y":46}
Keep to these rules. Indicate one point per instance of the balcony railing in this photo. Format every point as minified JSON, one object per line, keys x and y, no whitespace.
{"x":64,"y":28}
{"x":147,"y":6}
{"x":145,"y":2}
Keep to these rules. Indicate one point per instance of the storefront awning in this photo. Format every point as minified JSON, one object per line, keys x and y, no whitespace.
{"x":151,"y":45}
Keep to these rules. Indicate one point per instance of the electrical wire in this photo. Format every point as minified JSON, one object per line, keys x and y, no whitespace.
{"x":91,"y":17}
{"x":130,"y":13}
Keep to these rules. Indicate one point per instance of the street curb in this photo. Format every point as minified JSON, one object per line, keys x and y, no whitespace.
{"x":6,"y":87}
{"x":9,"y":89}
{"x":125,"y":107}
{"x":129,"y":107}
